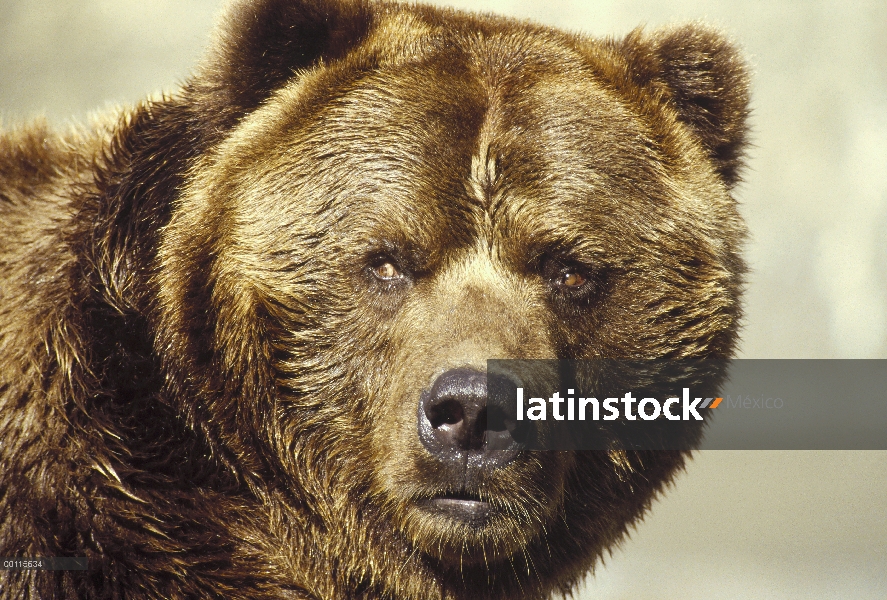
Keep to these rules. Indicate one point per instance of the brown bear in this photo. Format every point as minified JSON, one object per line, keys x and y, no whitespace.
{"x":228,"y":315}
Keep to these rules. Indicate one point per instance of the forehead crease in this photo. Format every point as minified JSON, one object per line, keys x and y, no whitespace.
{"x":511,"y":69}
{"x":557,"y":151}
{"x":405,"y":136}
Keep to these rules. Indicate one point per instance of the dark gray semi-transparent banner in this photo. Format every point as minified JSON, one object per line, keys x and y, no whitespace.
{"x":741,"y":404}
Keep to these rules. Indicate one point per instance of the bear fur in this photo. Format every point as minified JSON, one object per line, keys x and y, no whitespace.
{"x":218,"y":309}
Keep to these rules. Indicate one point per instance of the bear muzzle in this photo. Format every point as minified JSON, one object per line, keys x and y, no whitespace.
{"x":470,"y":433}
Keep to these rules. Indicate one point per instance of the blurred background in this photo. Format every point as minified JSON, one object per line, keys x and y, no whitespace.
{"x":775,"y":525}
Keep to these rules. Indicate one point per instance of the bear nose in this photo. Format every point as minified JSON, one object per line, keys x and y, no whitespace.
{"x":459,"y":420}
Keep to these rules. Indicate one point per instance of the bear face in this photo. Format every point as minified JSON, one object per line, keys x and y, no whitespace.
{"x":339,"y":220}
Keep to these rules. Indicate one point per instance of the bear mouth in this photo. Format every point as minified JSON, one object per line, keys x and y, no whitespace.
{"x":461,"y":506}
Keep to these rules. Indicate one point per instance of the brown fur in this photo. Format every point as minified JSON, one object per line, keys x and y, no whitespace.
{"x":204,"y":389}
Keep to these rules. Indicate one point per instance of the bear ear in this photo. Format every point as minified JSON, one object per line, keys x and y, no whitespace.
{"x":705,"y":79}
{"x":264,"y":42}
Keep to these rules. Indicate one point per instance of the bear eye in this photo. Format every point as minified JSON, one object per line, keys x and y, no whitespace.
{"x":571,"y":279}
{"x":386,"y":271}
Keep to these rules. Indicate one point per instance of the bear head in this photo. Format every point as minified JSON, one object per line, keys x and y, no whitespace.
{"x":384,"y":197}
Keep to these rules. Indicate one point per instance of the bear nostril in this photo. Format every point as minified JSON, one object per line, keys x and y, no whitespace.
{"x":496,"y":419}
{"x":448,"y":412}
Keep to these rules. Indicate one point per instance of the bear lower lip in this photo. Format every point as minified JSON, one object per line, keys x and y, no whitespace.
{"x":463,"y":509}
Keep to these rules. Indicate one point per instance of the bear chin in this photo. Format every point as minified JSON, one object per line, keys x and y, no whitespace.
{"x":467,"y":528}
{"x":244,"y":327}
